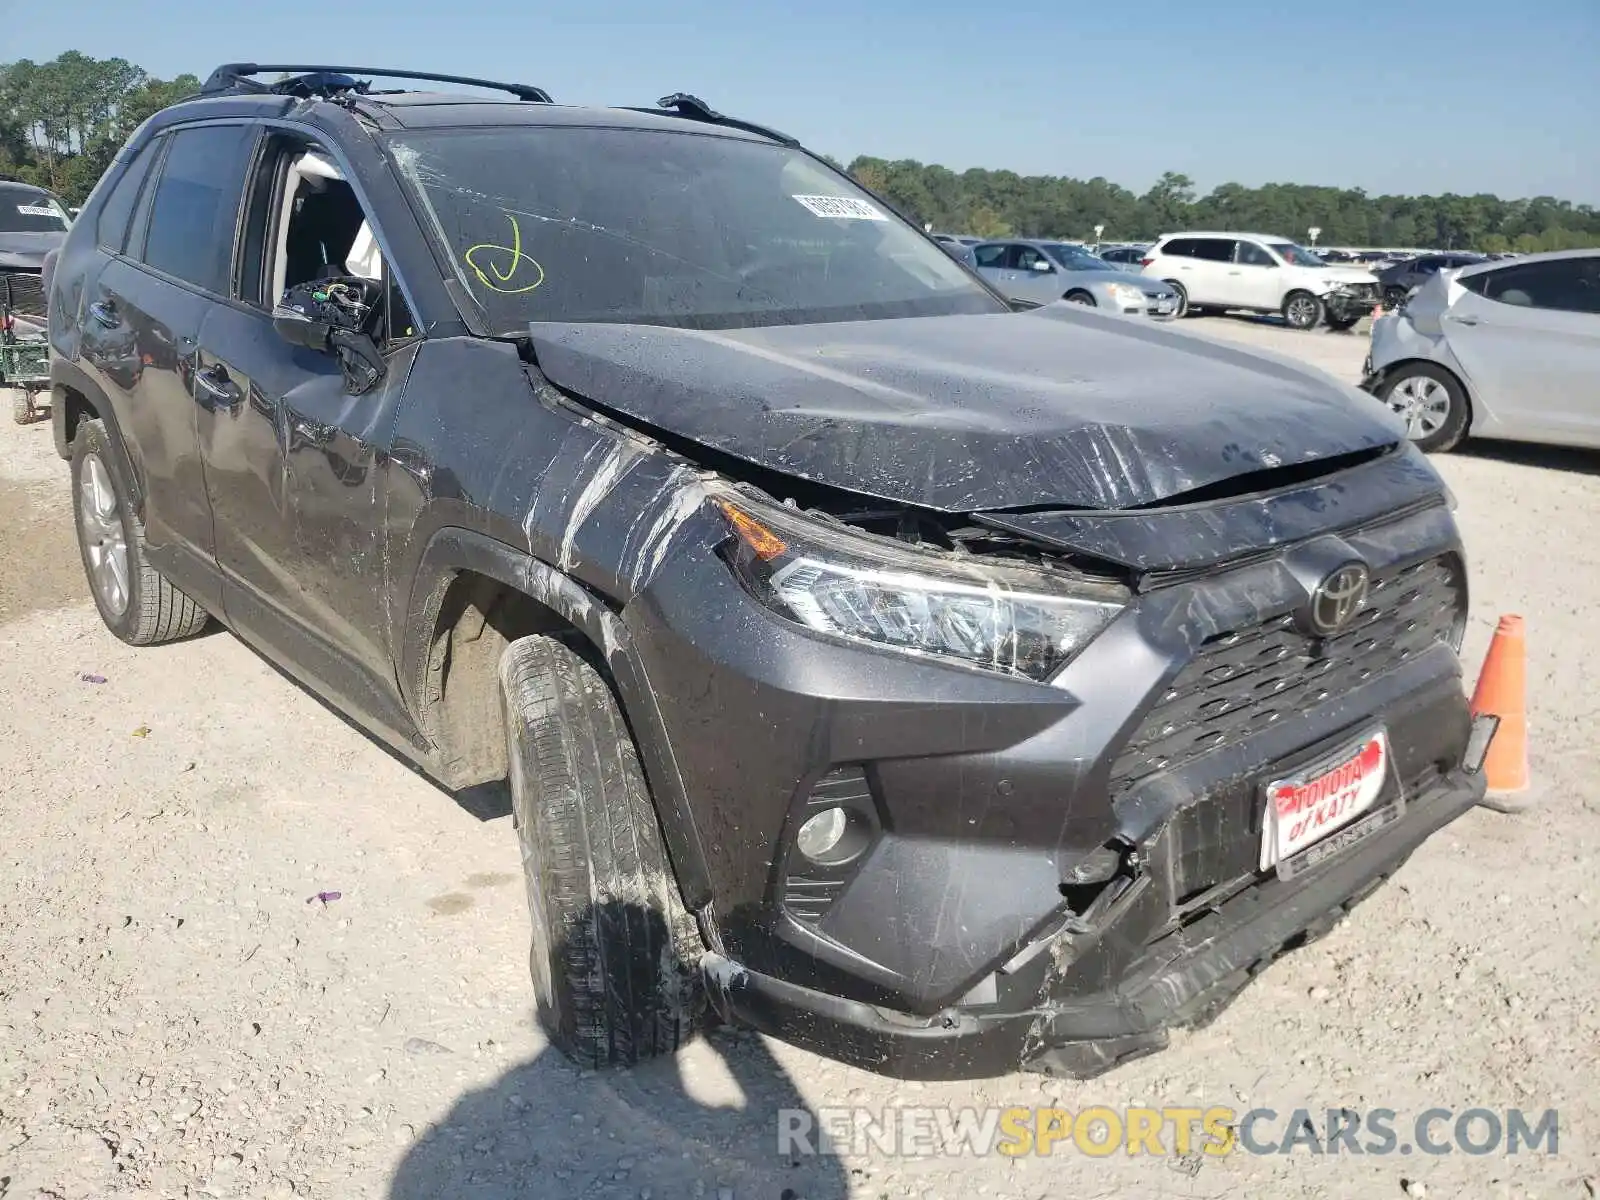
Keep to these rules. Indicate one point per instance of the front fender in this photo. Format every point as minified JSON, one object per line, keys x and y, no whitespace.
{"x":453,"y":549}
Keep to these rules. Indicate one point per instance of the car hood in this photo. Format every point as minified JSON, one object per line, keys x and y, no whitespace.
{"x":1338,"y":275}
{"x":1058,"y":407}
{"x":26,"y":251}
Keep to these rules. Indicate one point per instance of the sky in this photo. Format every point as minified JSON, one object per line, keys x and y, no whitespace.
{"x":1401,"y":96}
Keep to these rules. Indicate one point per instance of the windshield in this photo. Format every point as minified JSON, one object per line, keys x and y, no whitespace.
{"x":1297,"y":256}
{"x":30,"y":212}
{"x":665,"y":228}
{"x":1075,"y":258}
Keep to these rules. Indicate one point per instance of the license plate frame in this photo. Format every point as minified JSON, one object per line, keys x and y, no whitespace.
{"x":1322,"y":808}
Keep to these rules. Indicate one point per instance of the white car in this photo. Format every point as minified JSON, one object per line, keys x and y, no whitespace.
{"x":1261,"y":273}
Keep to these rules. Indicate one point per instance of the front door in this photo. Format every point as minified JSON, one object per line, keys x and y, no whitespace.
{"x":293,"y":459}
{"x":1256,"y":277}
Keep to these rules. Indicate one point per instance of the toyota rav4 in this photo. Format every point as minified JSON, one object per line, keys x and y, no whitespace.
{"x":947,"y":688}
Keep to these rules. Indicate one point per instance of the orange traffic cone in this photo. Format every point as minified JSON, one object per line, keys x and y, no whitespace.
{"x":1503,"y":692}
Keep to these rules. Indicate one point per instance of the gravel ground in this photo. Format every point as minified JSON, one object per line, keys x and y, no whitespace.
{"x":178,"y":1019}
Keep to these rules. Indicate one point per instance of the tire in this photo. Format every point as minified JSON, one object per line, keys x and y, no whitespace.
{"x":614,"y":956}
{"x":1302,"y":310}
{"x":1417,"y":390}
{"x":1183,"y":298}
{"x":1081,"y":298}
{"x":136,"y":603}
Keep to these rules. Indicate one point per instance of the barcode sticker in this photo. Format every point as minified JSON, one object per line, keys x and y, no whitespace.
{"x":846,"y":208}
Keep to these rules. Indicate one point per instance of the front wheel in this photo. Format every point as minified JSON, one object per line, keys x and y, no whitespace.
{"x":615,"y":954}
{"x":1302,"y":310}
{"x":1183,"y":298}
{"x":136,"y":601}
{"x":1432,"y":404}
{"x":1080,"y":298}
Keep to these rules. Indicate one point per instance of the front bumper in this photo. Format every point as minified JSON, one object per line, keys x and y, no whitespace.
{"x":1181,"y":978}
{"x":1342,"y":304}
{"x":1005,"y":813}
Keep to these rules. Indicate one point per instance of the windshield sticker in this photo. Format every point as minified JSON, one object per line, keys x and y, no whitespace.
{"x":846,"y":208}
{"x":505,"y":269}
{"x":36,"y":210}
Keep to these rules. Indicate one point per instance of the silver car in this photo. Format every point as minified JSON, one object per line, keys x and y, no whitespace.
{"x":1507,"y":349}
{"x":1044,"y":272}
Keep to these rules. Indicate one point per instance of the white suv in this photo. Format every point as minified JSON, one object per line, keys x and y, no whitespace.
{"x":1262,"y":273}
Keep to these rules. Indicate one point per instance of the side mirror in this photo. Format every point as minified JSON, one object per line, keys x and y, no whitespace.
{"x":298,"y":329}
{"x":1041,"y":266}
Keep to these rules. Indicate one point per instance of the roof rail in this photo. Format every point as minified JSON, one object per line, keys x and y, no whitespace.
{"x":315,"y":80}
{"x":681,"y":104}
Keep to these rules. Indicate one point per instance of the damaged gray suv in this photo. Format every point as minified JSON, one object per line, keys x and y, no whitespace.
{"x":946,"y":688}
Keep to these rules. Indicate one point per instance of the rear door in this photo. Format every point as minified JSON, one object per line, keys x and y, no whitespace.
{"x":1528,"y":338}
{"x":141,"y":323}
{"x":1212,"y":273}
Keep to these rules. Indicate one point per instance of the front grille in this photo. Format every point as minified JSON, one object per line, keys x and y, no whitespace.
{"x":1242,"y":682}
{"x":22,"y":292}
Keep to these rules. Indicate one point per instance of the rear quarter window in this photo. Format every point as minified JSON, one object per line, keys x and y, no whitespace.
{"x":111,"y":229}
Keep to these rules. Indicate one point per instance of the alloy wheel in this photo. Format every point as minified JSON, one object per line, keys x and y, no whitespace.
{"x":1424,"y":403}
{"x":105,"y":544}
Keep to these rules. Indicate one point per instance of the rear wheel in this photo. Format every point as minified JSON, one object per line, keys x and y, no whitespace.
{"x":1302,"y":310}
{"x":1080,"y":298}
{"x":135,"y":600}
{"x":615,"y":954}
{"x":1431,"y":402}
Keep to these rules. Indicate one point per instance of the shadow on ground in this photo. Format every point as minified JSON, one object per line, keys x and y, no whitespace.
{"x":1529,"y":454}
{"x":705,"y":1122}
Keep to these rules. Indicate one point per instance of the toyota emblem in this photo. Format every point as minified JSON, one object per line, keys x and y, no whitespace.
{"x":1337,"y":599}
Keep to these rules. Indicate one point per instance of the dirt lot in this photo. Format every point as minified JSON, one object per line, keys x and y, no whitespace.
{"x":178,"y":1019}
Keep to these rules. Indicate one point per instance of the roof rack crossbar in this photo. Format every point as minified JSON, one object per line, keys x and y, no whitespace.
{"x":236,"y":75}
{"x":681,"y":104}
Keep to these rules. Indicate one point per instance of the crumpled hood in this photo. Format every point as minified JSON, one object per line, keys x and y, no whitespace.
{"x":1057,"y":406}
{"x":26,"y":251}
{"x":1337,"y":275}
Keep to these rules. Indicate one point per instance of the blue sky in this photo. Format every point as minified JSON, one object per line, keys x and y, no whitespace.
{"x":1389,"y":95}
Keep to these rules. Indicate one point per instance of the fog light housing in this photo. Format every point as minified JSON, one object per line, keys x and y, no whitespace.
{"x":832,"y":836}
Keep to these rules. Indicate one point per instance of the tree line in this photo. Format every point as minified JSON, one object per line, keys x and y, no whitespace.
{"x":1004,"y":204}
{"x":62,"y":121}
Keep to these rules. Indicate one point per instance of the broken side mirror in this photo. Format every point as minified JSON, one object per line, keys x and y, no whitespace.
{"x":299,"y":328}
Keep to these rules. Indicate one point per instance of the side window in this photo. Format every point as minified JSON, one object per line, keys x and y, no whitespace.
{"x":111,"y":230}
{"x":1564,"y":285}
{"x":1179,"y":247}
{"x":196,"y":205}
{"x":1428,"y":266}
{"x":304,"y":223}
{"x":992,"y":255}
{"x":1253,"y":255}
{"x":1029,"y":259}
{"x":1214,"y":249}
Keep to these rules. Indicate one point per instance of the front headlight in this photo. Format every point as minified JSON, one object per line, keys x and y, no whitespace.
{"x":836,"y":582}
{"x":1126,"y":293}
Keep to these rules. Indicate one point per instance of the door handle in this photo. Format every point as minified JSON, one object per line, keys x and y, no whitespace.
{"x":222,"y":391}
{"x":1463,"y":320}
{"x":105,"y":312}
